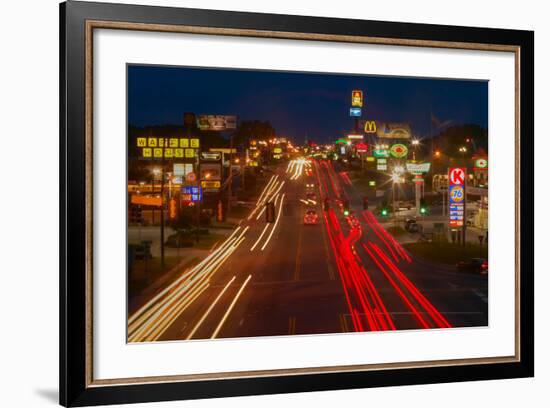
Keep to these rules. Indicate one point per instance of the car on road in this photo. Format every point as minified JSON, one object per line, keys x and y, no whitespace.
{"x":311,"y":217}
{"x":473,"y":265}
{"x":404,"y":205}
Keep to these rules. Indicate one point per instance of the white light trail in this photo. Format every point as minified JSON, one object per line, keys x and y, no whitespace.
{"x":264,"y":230}
{"x":212,"y":255}
{"x":276,"y":222}
{"x":205,"y":315}
{"x":224,"y":318}
{"x":150,"y":322}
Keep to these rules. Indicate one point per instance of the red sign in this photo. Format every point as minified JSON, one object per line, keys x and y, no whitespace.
{"x":457,"y":193}
{"x":457,"y":176}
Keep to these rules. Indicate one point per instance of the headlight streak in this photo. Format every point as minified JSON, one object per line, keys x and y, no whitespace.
{"x":205,"y":315}
{"x":224,"y":318}
{"x":182,"y":294}
{"x":296,"y":167}
{"x":153,"y":301}
{"x":174,"y":313}
{"x":270,"y":193}
{"x":266,"y":188}
{"x":150,"y":317}
{"x":276,"y":222}
{"x":146,"y":330}
{"x":264,"y":230}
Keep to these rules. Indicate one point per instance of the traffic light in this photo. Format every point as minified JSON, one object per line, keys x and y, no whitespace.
{"x":365,"y":203}
{"x":423,"y":207}
{"x":136,"y":215}
{"x":270,"y":212}
{"x":345,"y":205}
{"x":384,"y":209}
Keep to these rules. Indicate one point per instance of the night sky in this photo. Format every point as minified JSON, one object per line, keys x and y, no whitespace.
{"x":297,"y":104}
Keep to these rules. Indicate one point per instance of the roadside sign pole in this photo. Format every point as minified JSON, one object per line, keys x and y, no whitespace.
{"x":230,"y":182}
{"x":464,"y":221}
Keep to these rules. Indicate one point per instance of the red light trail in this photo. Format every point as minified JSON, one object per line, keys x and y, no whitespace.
{"x":362,"y":297}
{"x":366,"y":307}
{"x":430,"y":309}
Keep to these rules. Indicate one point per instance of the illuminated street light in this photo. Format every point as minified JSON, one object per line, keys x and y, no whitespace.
{"x":399,"y":170}
{"x":437,"y":153}
{"x":415,"y":142}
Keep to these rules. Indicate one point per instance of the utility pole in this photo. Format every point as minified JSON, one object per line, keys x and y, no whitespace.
{"x":162,"y":207}
{"x":230,"y":181}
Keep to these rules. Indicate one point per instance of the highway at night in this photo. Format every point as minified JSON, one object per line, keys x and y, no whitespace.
{"x":343,"y":273}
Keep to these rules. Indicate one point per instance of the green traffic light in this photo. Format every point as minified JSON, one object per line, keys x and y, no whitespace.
{"x":346,"y":213}
{"x":384,"y":212}
{"x":422,"y":211}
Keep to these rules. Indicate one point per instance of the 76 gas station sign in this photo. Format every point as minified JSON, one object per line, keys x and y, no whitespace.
{"x":457,"y":195}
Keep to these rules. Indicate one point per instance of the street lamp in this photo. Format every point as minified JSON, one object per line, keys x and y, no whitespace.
{"x":398,"y":170}
{"x":396,"y":177}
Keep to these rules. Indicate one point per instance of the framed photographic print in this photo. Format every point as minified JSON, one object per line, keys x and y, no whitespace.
{"x":256,"y":203}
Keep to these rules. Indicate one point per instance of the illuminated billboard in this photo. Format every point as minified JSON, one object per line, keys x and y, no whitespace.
{"x":393,"y":130}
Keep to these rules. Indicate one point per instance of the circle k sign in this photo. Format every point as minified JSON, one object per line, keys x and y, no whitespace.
{"x":457,"y":176}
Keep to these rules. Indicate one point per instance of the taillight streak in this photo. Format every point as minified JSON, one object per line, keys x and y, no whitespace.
{"x":425,"y":303}
{"x":405,"y":299}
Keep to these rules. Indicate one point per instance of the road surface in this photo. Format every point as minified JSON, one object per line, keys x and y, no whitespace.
{"x":283,"y":278}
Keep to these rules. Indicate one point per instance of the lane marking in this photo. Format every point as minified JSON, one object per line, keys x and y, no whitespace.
{"x":298,"y":253}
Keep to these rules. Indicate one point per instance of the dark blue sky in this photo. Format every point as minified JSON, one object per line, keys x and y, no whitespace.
{"x":300,"y":103}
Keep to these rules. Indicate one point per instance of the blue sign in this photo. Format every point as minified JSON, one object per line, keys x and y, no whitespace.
{"x":194,"y":193}
{"x":456,"y":194}
{"x":355,"y":111}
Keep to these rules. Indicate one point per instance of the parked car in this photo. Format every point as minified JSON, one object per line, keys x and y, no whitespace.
{"x":411,"y":225}
{"x":473,"y":265}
